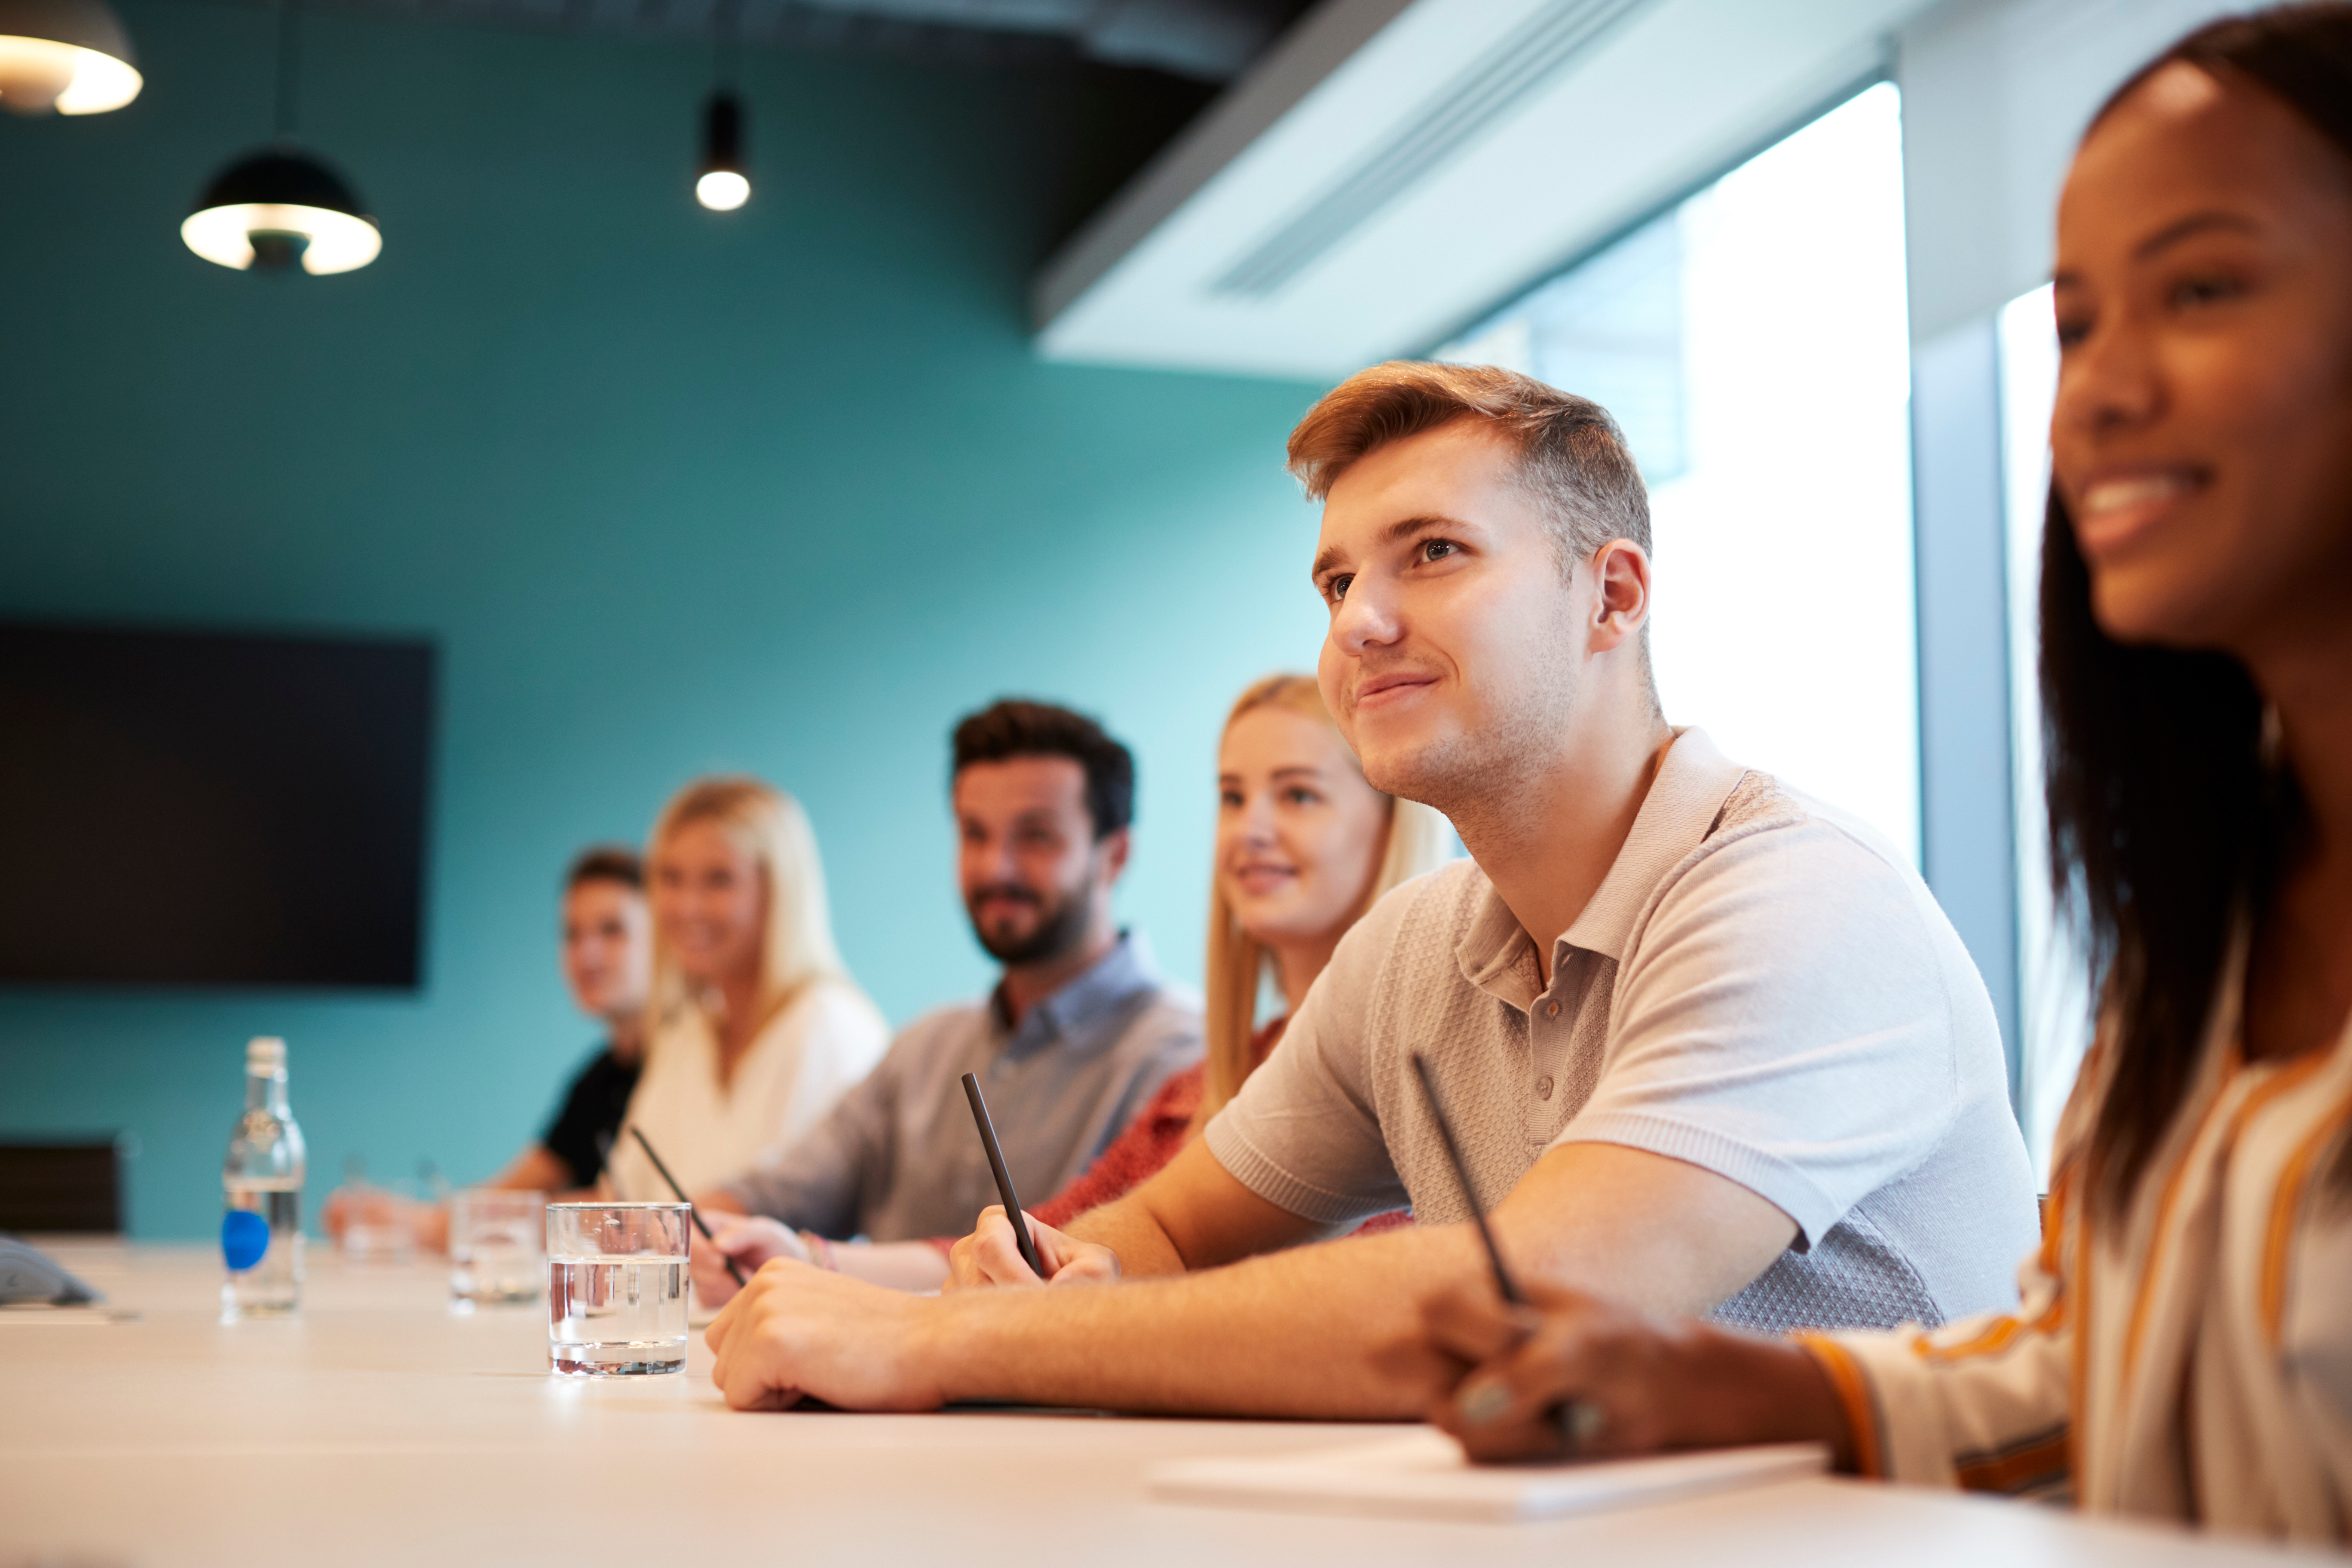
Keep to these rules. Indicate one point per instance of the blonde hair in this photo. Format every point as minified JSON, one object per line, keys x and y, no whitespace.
{"x":796,"y":950}
{"x":1417,"y":839}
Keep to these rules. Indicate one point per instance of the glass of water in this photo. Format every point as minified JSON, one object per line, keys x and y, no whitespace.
{"x":616,"y":1287}
{"x":494,"y":1252}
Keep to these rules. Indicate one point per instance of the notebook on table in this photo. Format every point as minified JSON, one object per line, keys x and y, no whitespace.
{"x":1424,"y":1475}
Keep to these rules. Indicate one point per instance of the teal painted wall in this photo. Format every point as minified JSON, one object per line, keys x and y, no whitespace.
{"x":783,"y":491}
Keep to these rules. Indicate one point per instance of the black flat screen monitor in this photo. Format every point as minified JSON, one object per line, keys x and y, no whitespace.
{"x":187,"y":808}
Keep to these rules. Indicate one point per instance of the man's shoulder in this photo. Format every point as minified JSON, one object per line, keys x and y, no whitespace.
{"x":1770,"y":830}
{"x":1165,"y":998}
{"x":1776,"y":853}
{"x":1129,"y":1004}
{"x":1162,"y":1016}
{"x":948,"y":1022}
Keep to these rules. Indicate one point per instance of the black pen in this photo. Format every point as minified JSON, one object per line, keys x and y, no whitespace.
{"x":1003,"y":1177}
{"x":692,"y":1212}
{"x":1577,"y":1419}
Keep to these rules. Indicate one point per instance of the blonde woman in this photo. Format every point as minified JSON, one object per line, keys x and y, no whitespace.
{"x":1304,"y":847}
{"x":757,"y":1028}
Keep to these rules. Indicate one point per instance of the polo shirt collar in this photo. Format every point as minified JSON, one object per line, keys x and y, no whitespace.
{"x":1692,"y":782}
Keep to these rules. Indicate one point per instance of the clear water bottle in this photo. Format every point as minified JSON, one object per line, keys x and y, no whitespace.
{"x":261,"y":1191}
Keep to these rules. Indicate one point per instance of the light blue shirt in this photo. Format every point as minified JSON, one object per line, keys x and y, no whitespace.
{"x":898,"y":1159}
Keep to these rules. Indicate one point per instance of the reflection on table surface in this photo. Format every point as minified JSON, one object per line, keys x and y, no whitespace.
{"x":380,"y":1426}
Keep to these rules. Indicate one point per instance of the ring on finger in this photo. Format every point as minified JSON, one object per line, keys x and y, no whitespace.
{"x":1483,"y":1403}
{"x":1581,"y":1421}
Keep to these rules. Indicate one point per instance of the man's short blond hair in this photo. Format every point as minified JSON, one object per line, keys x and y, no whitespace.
{"x":1573,"y":462}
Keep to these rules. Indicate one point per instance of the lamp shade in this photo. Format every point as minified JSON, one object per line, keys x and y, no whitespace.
{"x":279,"y":207}
{"x":69,"y":56}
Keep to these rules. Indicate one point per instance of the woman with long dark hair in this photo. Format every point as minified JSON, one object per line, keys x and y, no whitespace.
{"x":2184,"y":1345}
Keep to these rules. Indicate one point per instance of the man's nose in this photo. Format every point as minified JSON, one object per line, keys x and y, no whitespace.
{"x":1363,"y":620}
{"x":991,"y":860}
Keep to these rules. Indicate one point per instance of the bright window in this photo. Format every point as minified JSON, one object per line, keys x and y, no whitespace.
{"x":2053,"y":985}
{"x":1754,"y":344}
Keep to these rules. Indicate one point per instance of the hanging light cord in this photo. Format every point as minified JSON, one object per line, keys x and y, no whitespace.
{"x":289,"y":66}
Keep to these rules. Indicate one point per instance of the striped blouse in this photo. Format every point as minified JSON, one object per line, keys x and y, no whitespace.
{"x":2191,"y":1361}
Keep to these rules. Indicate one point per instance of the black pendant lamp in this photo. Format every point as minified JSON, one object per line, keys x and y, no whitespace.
{"x":281,"y":208}
{"x":722,"y":183}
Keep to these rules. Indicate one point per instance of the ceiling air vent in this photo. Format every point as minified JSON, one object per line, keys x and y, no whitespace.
{"x":1453,"y":117}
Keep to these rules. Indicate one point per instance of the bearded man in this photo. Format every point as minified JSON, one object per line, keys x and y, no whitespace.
{"x":1077,"y":1035}
{"x":1707,"y":1044}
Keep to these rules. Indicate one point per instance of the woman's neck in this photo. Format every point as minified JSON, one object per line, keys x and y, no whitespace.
{"x":2299,"y":986}
{"x":1296,"y":964}
{"x":738,"y":1021}
{"x":2313,"y":697}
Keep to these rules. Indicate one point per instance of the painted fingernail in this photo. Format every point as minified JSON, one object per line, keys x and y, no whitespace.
{"x":1484,"y":1402}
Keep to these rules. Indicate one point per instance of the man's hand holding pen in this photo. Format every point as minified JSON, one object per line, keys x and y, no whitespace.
{"x":991,"y":1255}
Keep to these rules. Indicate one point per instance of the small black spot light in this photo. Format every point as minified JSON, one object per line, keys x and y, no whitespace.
{"x":723,"y":185}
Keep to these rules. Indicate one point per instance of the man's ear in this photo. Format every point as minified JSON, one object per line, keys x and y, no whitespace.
{"x":1114,"y":847}
{"x":1621,"y":601}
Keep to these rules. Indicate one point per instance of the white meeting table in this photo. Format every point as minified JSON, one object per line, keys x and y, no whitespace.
{"x":379,"y":1427}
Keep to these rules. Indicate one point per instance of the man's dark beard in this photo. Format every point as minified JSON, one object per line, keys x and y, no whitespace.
{"x":1057,"y":935}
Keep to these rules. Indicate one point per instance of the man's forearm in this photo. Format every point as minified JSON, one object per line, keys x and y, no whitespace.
{"x":1129,"y":1228}
{"x":1193,"y":1215}
{"x":1330,"y":1332}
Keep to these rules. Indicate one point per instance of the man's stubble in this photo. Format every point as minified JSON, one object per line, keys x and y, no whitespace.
{"x":1483,"y":778}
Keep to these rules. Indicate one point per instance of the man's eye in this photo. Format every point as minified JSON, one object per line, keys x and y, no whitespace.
{"x":1301,"y":796}
{"x":1437,"y":549}
{"x":1338,"y":587}
{"x":1230,"y":799}
{"x":2073,"y":330}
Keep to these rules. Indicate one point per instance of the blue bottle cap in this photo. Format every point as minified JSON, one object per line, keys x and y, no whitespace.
{"x":245,"y":1236}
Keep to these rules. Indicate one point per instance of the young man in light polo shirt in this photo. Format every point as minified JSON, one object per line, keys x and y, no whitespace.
{"x":1709,"y":1045}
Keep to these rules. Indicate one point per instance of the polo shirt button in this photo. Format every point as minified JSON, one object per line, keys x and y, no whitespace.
{"x":1543,"y":1088}
{"x":1552,"y":1010}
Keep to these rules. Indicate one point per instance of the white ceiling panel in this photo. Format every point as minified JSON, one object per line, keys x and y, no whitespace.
{"x":1393,"y":169}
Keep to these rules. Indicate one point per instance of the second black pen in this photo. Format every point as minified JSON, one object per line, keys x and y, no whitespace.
{"x":1011,"y":1199}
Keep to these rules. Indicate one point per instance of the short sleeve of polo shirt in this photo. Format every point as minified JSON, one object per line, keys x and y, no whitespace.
{"x":1782,"y":1018}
